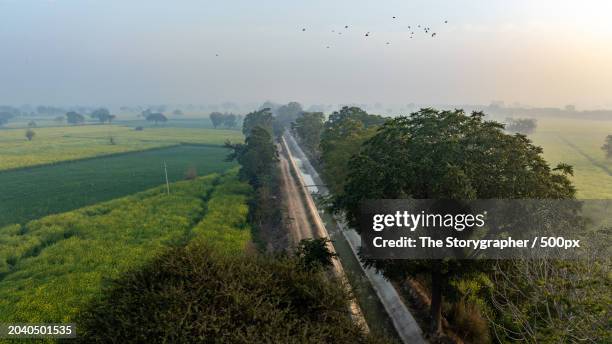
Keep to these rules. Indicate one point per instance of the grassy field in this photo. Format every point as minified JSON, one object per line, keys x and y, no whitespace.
{"x":32,"y":193}
{"x":51,"y":267}
{"x":52,"y":145}
{"x":578,"y":142}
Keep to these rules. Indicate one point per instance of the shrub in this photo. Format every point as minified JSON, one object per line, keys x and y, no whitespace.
{"x":29,"y":134}
{"x":197,"y":293}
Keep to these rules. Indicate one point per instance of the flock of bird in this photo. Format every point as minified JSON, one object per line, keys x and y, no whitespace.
{"x":412,"y":30}
{"x":426,"y":29}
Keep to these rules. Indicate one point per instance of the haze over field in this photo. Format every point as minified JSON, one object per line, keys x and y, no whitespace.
{"x":542,"y":53}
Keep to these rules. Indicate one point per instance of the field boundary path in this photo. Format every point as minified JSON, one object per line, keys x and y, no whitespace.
{"x":403,"y":321}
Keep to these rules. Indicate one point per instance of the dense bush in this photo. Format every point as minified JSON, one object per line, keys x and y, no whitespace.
{"x":198,"y":294}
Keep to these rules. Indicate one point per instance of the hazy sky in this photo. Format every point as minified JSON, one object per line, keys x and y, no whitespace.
{"x":116,"y":52}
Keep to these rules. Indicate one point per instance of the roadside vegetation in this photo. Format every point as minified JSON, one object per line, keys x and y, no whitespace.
{"x":258,"y":159}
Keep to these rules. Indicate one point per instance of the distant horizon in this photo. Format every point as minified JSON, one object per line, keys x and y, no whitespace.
{"x":254,"y":105}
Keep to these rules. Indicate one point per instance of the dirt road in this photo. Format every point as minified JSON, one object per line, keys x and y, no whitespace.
{"x":305,"y":221}
{"x":297,"y":218}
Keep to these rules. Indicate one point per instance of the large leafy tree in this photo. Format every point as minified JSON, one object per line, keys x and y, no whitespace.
{"x":447,"y":155}
{"x":216,"y":118}
{"x":262,"y":118}
{"x":285,"y":115}
{"x":74,"y":118}
{"x":309,"y":126}
{"x":156,"y":117}
{"x":257,"y":156}
{"x":343,"y":134}
{"x":521,"y":125}
{"x":229,"y":120}
{"x":102,"y":115}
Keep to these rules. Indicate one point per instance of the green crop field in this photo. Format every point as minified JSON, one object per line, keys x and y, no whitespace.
{"x":56,"y":144}
{"x":36,"y":192}
{"x":50,"y":268}
{"x":578,"y":142}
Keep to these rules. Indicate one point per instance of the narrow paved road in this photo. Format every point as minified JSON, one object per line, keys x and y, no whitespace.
{"x":403,"y":321}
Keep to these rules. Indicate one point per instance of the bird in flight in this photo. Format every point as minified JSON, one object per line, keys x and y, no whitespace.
{"x":303,"y":29}
{"x":346,"y":26}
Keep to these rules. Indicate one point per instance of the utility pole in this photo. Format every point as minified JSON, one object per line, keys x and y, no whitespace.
{"x":166,"y":172}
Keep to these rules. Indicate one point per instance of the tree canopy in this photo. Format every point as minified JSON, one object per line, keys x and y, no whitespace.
{"x":228,"y":120}
{"x":521,"y":125}
{"x":257,"y":156}
{"x":156,"y":117}
{"x":343,"y":134}
{"x":285,"y":115}
{"x":309,"y":126}
{"x":102,"y":115}
{"x":261,"y":118}
{"x":196,"y":294}
{"x":74,"y":118}
{"x":447,"y":155}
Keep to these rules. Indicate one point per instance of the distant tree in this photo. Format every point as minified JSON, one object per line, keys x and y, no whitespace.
{"x":343,"y":134}
{"x":257,"y":156}
{"x":102,"y":115}
{"x":269,"y":105}
{"x":60,"y":119}
{"x":32,"y":124}
{"x":229,"y":120}
{"x":139,"y":128}
{"x":216,"y":118}
{"x":111,"y":141}
{"x":309,"y":126}
{"x":29,"y":134}
{"x":4,"y":117}
{"x":315,"y":254}
{"x":156,"y":117}
{"x":285,"y":115}
{"x":447,"y":155}
{"x":525,"y":126}
{"x":262,"y":118}
{"x":74,"y":118}
{"x":145,"y":113}
{"x":607,"y":147}
{"x":177,"y":112}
